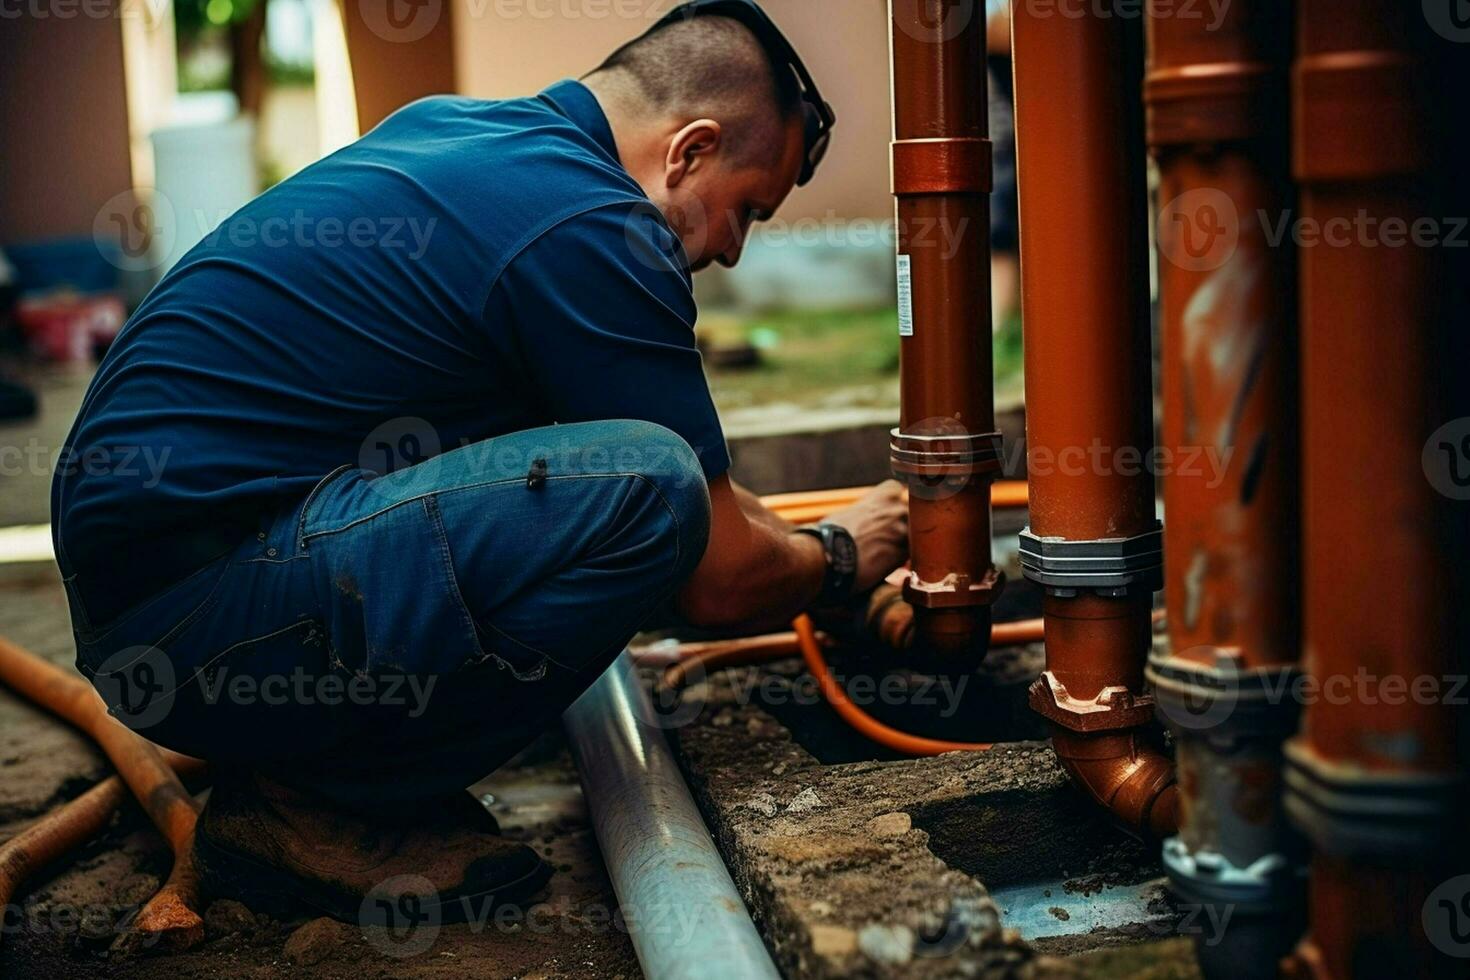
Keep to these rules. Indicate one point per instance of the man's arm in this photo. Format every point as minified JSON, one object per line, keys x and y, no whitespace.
{"x":757,"y":573}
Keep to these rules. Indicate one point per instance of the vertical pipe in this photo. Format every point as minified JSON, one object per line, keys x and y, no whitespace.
{"x":1376,"y":779}
{"x":1216,"y":97}
{"x":946,"y":448}
{"x":1094,"y":543}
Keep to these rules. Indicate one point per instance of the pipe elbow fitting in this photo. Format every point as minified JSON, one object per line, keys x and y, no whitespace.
{"x":1124,"y":773}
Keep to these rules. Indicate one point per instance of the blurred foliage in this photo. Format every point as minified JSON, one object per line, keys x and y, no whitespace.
{"x":193,"y":18}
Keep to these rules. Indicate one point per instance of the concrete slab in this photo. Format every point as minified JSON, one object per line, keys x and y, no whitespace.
{"x":858,"y":863}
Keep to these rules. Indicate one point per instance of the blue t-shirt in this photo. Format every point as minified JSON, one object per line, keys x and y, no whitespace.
{"x":466,"y":269}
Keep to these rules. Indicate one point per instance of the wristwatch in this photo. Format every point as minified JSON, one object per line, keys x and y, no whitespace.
{"x":842,"y":561}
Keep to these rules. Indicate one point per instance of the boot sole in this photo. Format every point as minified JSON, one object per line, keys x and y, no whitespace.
{"x":227,"y":873}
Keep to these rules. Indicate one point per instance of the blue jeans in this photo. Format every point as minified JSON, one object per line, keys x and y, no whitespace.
{"x":399,"y":636}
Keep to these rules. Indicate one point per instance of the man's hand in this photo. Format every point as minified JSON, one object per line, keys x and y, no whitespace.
{"x":879,"y":523}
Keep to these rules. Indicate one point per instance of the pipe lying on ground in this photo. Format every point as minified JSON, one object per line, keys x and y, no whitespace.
{"x":57,"y":834}
{"x":172,"y":914}
{"x":945,"y":449}
{"x":1094,"y":544}
{"x":684,"y":914}
{"x":1217,"y":100}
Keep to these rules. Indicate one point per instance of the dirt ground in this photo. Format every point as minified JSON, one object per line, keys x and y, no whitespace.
{"x":68,"y":924}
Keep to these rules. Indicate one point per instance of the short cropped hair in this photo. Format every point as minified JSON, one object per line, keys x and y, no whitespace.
{"x":712,"y":67}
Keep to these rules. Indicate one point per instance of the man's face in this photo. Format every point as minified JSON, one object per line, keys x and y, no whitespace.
{"x":711,"y":201}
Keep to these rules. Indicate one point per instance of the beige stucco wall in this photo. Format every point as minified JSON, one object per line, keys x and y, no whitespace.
{"x":63,"y":123}
{"x":514,"y":47}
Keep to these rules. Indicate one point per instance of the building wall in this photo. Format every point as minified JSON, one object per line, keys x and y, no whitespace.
{"x":508,"y":48}
{"x":64,"y":149}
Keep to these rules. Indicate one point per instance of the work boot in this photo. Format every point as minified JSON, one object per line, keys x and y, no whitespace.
{"x":280,"y":851}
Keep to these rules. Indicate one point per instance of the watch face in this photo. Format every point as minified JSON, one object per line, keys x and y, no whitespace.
{"x":844,"y":553}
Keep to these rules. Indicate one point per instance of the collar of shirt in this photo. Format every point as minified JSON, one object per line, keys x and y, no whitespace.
{"x":576,"y":101}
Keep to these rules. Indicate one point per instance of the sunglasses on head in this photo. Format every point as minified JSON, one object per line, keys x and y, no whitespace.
{"x":818,"y":115}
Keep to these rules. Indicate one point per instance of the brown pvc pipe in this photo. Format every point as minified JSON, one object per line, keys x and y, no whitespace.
{"x":1084,"y":274}
{"x":945,"y":449}
{"x":1381,"y":583}
{"x":148,"y":771}
{"x":1217,"y":96}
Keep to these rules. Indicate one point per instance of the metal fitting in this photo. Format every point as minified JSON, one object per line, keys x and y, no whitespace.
{"x":1108,"y":566}
{"x":943,"y":463}
{"x":1224,"y":702}
{"x":1348,"y":811}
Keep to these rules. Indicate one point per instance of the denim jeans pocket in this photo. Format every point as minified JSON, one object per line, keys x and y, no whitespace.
{"x":388,"y":594}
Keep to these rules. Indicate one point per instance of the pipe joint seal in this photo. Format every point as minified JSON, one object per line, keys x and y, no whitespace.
{"x":955,"y":591}
{"x":1349,"y":811}
{"x":1223,"y":102}
{"x":950,"y":460}
{"x":945,"y":165}
{"x":1221,"y":701}
{"x":1110,"y":566}
{"x":1113,"y":709}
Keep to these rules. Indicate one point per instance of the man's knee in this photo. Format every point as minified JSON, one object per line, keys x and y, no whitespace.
{"x":672,"y":470}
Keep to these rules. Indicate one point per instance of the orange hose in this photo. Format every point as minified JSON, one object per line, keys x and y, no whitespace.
{"x":869,"y":726}
{"x":711,"y":656}
{"x":813,"y":505}
{"x":148,"y":771}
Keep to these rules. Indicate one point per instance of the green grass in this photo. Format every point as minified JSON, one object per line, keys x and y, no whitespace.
{"x":838,"y":357}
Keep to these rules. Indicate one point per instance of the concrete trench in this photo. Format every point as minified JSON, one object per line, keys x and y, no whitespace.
{"x":856,"y":862}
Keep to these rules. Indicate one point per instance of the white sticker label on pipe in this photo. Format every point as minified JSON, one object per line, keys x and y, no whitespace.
{"x":905,"y":298}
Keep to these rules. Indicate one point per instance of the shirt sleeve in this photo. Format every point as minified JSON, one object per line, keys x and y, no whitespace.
{"x":603,"y":314}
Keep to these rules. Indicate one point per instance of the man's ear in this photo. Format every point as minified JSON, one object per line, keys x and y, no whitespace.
{"x":692,"y":147}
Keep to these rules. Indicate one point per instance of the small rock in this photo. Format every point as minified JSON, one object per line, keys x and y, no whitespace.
{"x":804,"y":802}
{"x":762,"y":803}
{"x":820,"y":908}
{"x":889,"y":945}
{"x":833,"y":940}
{"x":227,"y":917}
{"x":1060,"y":913}
{"x":315,"y":941}
{"x":890,"y":825}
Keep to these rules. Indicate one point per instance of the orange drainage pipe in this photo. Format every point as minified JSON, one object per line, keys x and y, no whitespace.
{"x":1217,"y":96}
{"x":811,"y":653}
{"x":148,"y":771}
{"x":946,"y":448}
{"x":1084,"y":270}
{"x":1377,"y":781}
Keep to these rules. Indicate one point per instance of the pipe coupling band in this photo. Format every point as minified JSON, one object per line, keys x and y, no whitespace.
{"x":1205,"y":877}
{"x":1216,"y":103}
{"x":931,"y":459}
{"x":1346,"y":810}
{"x":1105,"y":563}
{"x":1221,"y":701}
{"x":946,"y":165}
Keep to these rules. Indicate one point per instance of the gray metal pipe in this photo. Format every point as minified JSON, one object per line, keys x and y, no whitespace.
{"x":683,"y":912}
